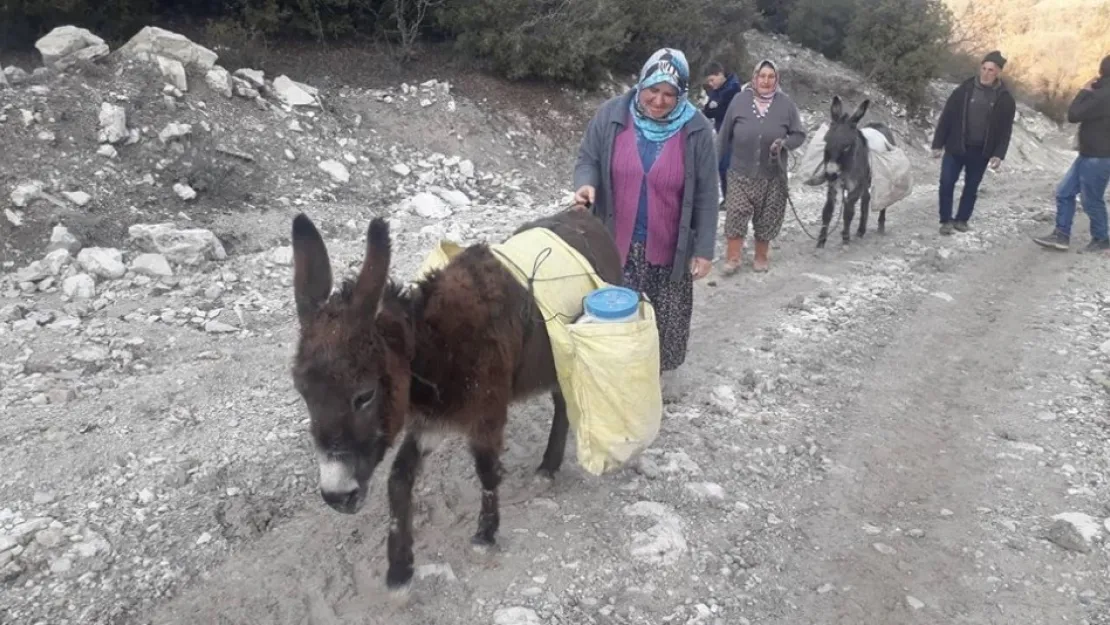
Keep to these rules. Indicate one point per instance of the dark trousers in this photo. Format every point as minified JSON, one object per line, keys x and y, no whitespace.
{"x":973,"y":163}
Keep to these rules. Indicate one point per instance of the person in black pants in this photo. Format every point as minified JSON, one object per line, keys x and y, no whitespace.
{"x":973,"y":133}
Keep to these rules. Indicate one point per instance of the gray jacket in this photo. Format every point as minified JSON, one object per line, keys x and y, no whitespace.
{"x":697,"y":231}
{"x":750,"y":137}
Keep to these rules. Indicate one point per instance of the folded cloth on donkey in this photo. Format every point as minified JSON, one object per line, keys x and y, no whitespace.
{"x":608,"y":372}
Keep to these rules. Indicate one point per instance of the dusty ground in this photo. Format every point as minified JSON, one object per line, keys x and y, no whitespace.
{"x":876,"y":434}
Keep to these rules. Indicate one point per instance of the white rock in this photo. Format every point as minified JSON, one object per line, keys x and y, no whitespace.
{"x":204,"y":539}
{"x":107,"y":151}
{"x":293,"y":93}
{"x":335,"y":169}
{"x":90,"y":53}
{"x":174,"y":130}
{"x":466,"y":168}
{"x":256,"y":77}
{"x":428,"y":206}
{"x":663,"y":543}
{"x":80,"y":286}
{"x":219,"y":327}
{"x":724,"y":398}
{"x":1105,"y":348}
{"x":219,"y":80}
{"x":56,"y":260}
{"x":455,"y":198}
{"x":1074,"y":531}
{"x":184,"y":191}
{"x":516,"y":616}
{"x":26,"y":192}
{"x":282,"y":256}
{"x":187,"y":247}
{"x":173,"y":71}
{"x":79,"y":198}
{"x":402,"y":169}
{"x":15,"y":218}
{"x":104,"y":262}
{"x":64,"y":41}
{"x":914,"y":602}
{"x":706,"y":490}
{"x":62,"y":239}
{"x":113,"y":123}
{"x":151,"y":41}
{"x":154,"y":265}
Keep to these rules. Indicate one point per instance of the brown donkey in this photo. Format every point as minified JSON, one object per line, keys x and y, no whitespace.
{"x":449,"y":354}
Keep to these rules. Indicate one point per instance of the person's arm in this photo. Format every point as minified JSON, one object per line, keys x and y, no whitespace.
{"x":587,"y":169}
{"x":706,"y":195}
{"x":724,"y":135}
{"x":1089,"y":105}
{"x":940,"y":133}
{"x":1009,"y":112}
{"x":795,"y":131}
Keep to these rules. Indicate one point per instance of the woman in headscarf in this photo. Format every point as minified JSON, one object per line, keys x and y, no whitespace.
{"x":761,"y":125}
{"x":647,"y":167}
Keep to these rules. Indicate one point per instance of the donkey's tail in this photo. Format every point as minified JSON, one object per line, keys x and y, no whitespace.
{"x":885,"y":130}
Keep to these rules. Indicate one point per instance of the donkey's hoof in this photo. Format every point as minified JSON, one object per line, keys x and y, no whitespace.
{"x":399,"y":579}
{"x":881,"y":229}
{"x":545,"y":473}
{"x":820,"y":245}
{"x":860,"y":233}
{"x":483,"y":543}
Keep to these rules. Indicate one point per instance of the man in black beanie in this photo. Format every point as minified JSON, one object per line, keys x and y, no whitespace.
{"x":973,"y":133}
{"x":1089,"y":174}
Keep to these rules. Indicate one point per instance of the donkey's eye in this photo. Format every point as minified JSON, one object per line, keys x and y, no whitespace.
{"x":362,"y":400}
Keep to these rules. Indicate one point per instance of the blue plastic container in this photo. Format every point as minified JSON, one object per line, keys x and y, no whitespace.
{"x":611,"y":304}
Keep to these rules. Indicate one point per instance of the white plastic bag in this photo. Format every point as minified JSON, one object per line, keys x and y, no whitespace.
{"x":891,"y":173}
{"x":810,"y":168}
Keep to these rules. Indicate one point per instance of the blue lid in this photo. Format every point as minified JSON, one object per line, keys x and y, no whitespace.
{"x":612,"y":302}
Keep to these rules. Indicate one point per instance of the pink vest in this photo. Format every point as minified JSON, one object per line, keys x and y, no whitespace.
{"x":666,"y":183}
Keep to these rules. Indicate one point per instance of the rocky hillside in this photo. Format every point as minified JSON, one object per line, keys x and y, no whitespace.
{"x":906,"y":426}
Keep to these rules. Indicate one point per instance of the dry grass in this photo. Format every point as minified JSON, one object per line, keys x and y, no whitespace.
{"x":1053,"y":47}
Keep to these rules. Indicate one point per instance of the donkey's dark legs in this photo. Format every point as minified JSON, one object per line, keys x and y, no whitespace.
{"x":849,"y":214}
{"x":402,"y":476}
{"x":487,"y":462}
{"x":557,"y":441}
{"x":826,"y":214}
{"x":882,"y":221}
{"x":864,"y":210}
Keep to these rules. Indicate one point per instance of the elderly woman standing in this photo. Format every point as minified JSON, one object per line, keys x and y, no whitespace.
{"x":760,"y":122}
{"x":647,"y":167}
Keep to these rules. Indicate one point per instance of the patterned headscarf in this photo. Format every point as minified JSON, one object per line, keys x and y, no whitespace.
{"x":666,"y":65}
{"x":763,"y":102}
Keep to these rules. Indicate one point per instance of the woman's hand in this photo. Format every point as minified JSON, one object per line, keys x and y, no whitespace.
{"x":584,"y":197}
{"x":776,"y":147}
{"x":699,"y":267}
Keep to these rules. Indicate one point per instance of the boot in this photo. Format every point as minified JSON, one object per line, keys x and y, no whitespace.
{"x":733,"y":256}
{"x":761,"y":249}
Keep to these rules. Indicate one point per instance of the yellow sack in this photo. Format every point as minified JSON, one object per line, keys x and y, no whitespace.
{"x":609,"y":372}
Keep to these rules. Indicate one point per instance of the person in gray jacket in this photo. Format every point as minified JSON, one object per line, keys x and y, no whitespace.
{"x":647,"y":167}
{"x":761,"y":125}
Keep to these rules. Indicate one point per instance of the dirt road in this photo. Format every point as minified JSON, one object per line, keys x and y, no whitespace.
{"x":892,"y":427}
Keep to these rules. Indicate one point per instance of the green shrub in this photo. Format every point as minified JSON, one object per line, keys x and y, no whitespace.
{"x":900,"y":44}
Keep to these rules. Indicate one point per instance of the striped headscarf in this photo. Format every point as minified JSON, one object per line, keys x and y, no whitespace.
{"x":669,"y":66}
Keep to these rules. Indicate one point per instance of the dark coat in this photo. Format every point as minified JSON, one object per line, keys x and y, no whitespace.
{"x":719,"y":99}
{"x":951,"y":130}
{"x":1091,"y":110}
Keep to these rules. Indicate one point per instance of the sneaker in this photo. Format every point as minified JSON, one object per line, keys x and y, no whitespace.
{"x":1097,"y":245}
{"x":960,"y":226}
{"x":1057,"y":241}
{"x":946,"y":228}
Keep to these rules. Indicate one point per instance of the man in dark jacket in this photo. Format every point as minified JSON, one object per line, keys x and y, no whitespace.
{"x":973,"y":133}
{"x":1089,"y":174}
{"x":720,"y":88}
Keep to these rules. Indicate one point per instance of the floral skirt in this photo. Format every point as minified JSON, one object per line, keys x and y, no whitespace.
{"x":673,"y":303}
{"x":761,"y":201}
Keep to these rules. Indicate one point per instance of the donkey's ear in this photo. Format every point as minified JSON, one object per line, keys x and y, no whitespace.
{"x":311,"y":267}
{"x":375,"y":270}
{"x":860,"y":112}
{"x":837,"y":108}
